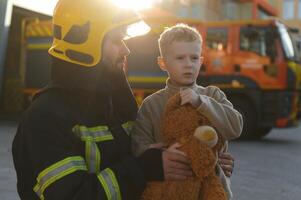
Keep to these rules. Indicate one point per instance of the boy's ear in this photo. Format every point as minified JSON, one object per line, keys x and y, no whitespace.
{"x":201,"y":60}
{"x":161,"y":63}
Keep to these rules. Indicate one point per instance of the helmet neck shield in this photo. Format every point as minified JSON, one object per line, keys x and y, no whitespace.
{"x":101,"y":83}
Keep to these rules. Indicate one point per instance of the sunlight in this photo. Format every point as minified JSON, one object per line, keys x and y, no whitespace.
{"x":42,"y":6}
{"x":47,"y":6}
{"x":137,"y":29}
{"x":134,"y":4}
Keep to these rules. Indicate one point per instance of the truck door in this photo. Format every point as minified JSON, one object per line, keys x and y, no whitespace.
{"x":217,"y":51}
{"x":259,"y":56}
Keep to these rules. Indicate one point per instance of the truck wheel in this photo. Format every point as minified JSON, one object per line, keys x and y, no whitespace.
{"x":263,"y":131}
{"x":248,"y":112}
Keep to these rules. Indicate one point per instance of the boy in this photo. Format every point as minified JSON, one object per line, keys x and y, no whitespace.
{"x":180,"y":50}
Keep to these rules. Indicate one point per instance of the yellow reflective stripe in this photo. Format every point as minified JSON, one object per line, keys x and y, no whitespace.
{"x":98,"y":133}
{"x":115,"y":183}
{"x":93,"y":129}
{"x":128,"y":126}
{"x":109,"y":182}
{"x":87,"y":153}
{"x":97,"y":159}
{"x":92,"y":156}
{"x":57,"y":171}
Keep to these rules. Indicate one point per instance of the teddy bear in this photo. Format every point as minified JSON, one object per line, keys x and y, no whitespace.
{"x":201,"y":143}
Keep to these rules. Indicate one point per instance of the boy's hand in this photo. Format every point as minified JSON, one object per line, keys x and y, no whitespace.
{"x":176,"y":165}
{"x":226,"y":161}
{"x":190,"y":96}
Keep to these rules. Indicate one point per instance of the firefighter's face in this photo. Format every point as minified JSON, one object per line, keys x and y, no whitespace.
{"x":182,"y":62}
{"x":114,"y":49}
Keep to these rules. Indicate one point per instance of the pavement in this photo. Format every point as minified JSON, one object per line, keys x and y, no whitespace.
{"x":8,"y":190}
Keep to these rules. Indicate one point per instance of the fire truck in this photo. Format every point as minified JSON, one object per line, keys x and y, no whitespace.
{"x":253,"y":62}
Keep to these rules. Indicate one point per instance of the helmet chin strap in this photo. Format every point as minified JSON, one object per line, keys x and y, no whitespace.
{"x":123,"y":101}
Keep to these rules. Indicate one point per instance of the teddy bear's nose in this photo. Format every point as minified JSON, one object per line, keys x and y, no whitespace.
{"x":207,"y":135}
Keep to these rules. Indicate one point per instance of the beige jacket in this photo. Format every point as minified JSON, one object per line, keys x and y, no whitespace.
{"x":214,"y":106}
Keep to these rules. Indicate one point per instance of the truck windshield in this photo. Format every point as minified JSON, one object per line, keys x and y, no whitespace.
{"x":258,"y":39}
{"x":286,"y":41}
{"x":296,"y":39}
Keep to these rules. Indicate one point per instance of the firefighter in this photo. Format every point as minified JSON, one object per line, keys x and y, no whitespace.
{"x":73,"y":142}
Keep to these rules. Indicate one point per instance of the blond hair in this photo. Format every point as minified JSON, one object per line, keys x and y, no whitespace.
{"x":179,"y":33}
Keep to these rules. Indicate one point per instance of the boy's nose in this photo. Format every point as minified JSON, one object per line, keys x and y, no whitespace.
{"x":188,"y":62}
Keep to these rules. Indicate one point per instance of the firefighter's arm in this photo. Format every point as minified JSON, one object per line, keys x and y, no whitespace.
{"x":142,"y":136}
{"x":60,"y":169}
{"x":221,"y":113}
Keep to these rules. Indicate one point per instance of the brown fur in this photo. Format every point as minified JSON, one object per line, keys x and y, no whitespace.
{"x":178,"y":125}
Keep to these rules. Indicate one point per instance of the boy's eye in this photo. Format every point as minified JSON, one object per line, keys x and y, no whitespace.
{"x":194,"y":57}
{"x":180,"y":57}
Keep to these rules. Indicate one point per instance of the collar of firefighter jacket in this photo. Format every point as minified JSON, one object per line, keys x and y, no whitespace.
{"x":98,"y":85}
{"x":172,"y":89}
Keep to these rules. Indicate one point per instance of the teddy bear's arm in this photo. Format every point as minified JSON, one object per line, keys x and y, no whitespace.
{"x":221,"y":114}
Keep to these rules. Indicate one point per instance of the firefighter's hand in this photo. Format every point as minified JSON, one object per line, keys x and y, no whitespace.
{"x":226,"y":161}
{"x":157,"y":146}
{"x":176,"y":165}
{"x":190,"y":96}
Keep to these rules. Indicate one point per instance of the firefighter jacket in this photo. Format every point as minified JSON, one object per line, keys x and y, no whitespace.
{"x":74,"y":144}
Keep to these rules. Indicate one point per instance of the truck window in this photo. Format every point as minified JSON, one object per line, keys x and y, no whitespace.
{"x":217,"y":38}
{"x":260,"y":40}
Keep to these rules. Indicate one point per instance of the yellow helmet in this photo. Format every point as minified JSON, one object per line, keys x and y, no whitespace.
{"x":79,"y":27}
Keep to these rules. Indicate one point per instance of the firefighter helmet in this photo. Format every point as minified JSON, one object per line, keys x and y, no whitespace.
{"x":80,"y":26}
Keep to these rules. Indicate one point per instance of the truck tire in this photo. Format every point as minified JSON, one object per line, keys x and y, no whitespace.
{"x":249,"y":114}
{"x":263,"y":131}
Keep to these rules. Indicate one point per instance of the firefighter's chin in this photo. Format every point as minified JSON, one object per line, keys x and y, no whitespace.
{"x":120,"y":65}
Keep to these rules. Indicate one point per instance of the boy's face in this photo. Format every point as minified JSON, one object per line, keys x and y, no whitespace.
{"x":182,"y":61}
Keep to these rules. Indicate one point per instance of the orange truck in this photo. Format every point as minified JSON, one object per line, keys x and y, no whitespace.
{"x":253,"y":62}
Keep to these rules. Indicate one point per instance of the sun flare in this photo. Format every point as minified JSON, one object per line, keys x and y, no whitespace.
{"x":134,"y":4}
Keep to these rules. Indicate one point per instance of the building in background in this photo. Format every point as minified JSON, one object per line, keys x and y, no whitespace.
{"x":290,"y":12}
{"x":222,"y":9}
